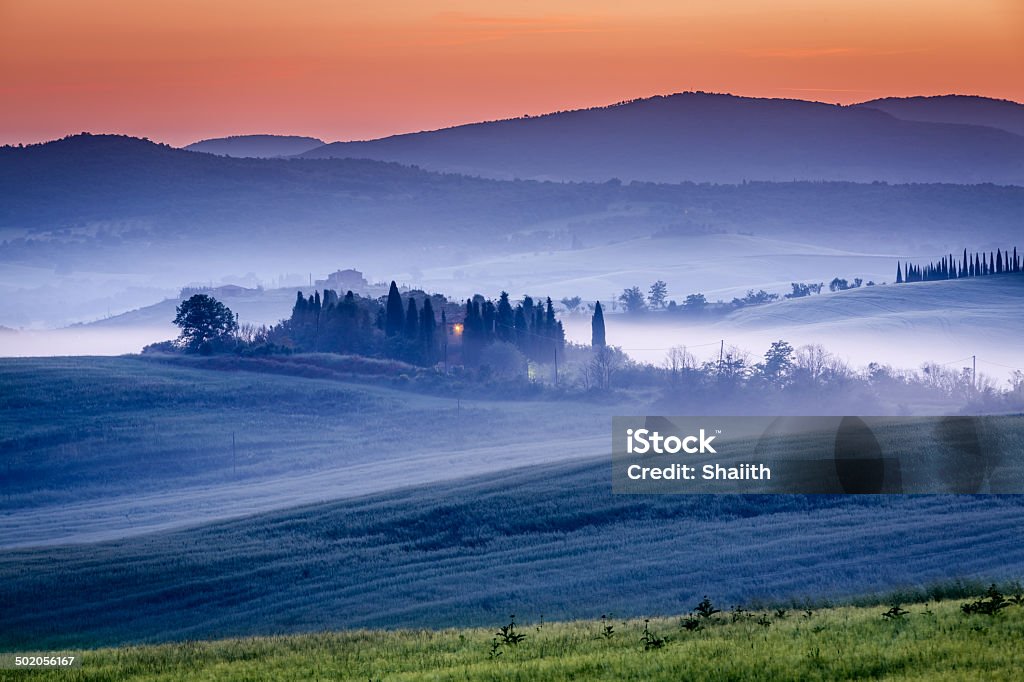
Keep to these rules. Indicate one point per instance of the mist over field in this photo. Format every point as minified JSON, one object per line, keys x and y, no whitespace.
{"x":328,"y":415}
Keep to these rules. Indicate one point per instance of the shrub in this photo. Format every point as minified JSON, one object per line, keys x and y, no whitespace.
{"x":990,"y":604}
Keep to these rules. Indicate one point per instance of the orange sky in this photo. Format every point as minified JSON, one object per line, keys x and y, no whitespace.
{"x":180,"y":70}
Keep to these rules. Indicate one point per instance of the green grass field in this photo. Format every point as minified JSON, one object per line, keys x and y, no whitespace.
{"x":934,"y":641}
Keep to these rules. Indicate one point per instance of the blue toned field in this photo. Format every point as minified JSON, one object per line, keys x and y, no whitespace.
{"x":126,"y":518}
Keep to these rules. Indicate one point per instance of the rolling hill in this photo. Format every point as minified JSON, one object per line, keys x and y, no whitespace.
{"x":989,"y":303}
{"x":128,"y":515}
{"x":905,"y":325}
{"x":141,"y":444}
{"x":95,"y":224}
{"x":550,"y":542}
{"x":256,"y":146}
{"x":703,"y":137}
{"x":961,"y":109}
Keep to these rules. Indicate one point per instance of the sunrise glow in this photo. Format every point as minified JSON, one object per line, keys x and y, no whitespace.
{"x":177,"y":72}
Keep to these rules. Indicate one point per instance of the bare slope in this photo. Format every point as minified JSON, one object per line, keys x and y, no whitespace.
{"x":990,"y":305}
{"x":551,"y":542}
{"x":903,"y":325}
{"x":138,"y":445}
{"x":951,"y":322}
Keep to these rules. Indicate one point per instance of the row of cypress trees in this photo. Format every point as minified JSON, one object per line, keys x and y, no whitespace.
{"x":330,"y":324}
{"x":411,"y":330}
{"x":976,"y":265}
{"x":531,"y":327}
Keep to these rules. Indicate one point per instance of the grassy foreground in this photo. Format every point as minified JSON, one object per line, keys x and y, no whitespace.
{"x":934,"y":641}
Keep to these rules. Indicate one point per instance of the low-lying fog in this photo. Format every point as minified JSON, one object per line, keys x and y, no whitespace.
{"x":904,"y":326}
{"x":650,"y":342}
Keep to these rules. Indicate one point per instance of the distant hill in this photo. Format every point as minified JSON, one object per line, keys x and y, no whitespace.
{"x":946,"y":321}
{"x":942,"y":307}
{"x":256,"y":146}
{"x":703,"y":137}
{"x":253,"y":306}
{"x":76,"y":201}
{"x":964,"y":109}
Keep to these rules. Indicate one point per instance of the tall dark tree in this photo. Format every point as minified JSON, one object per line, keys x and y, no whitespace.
{"x":899,"y":274}
{"x":522,"y":327}
{"x":428,"y":334}
{"x":504,"y":320}
{"x":300,"y":305}
{"x":488,"y":315}
{"x":412,"y":321}
{"x":394,"y":316}
{"x":597,"y":338}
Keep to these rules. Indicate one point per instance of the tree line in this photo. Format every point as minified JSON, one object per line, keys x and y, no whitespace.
{"x":969,"y":265}
{"x":414,"y":328}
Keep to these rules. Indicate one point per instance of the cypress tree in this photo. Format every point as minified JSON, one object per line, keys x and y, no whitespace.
{"x":899,"y":274}
{"x":528,"y":310}
{"x":394,"y":317}
{"x":487,"y":316}
{"x":472,"y":329}
{"x":300,"y":306}
{"x":539,"y":331}
{"x":999,"y":261}
{"x":412,"y":321}
{"x":522,"y":331}
{"x":597,"y":327}
{"x":504,"y":320}
{"x":428,"y":340}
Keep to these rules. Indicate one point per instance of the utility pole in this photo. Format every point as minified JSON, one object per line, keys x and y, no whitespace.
{"x":974,"y":372}
{"x":721,"y":352}
{"x":556,"y":360}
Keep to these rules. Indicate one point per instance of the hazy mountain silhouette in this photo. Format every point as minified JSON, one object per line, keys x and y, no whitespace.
{"x":93,"y":193}
{"x":91,"y":204}
{"x":964,"y":109}
{"x":256,"y":146}
{"x":704,"y":137}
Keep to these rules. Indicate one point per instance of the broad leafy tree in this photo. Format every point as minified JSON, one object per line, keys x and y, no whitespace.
{"x":205,"y":323}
